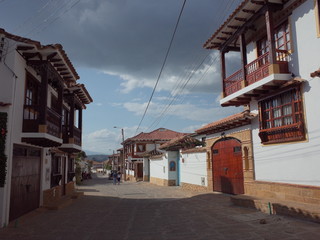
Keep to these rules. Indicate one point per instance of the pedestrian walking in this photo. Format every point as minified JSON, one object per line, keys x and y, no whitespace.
{"x":114,"y":176}
{"x":119,"y":177}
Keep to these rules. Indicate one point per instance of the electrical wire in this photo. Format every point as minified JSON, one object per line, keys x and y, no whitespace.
{"x":177,"y":96}
{"x":163,"y":64}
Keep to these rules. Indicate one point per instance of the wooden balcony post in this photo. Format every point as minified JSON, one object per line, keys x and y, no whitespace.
{"x":80,"y":119}
{"x":43,"y":98}
{"x":223,"y":70}
{"x":244,"y":61}
{"x":270,"y":36}
{"x":71,"y":119}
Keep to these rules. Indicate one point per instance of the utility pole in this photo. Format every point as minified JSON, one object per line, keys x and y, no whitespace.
{"x":123,"y":155}
{"x":124,"y":170}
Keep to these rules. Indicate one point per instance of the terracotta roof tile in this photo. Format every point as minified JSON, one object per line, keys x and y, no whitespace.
{"x":182,"y":141}
{"x":160,"y":134}
{"x":230,"y":122}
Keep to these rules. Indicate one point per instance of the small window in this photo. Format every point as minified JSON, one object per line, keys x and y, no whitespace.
{"x":141,"y":147}
{"x":172,"y":166}
{"x":237,"y":149}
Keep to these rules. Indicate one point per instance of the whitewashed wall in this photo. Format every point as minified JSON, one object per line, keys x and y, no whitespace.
{"x":193,"y":168}
{"x":296,"y":163}
{"x":159,"y":168}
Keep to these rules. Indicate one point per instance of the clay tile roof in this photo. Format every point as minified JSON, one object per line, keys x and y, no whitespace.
{"x":230,"y":122}
{"x":182,"y":141}
{"x":231,"y":25}
{"x":195,"y":150}
{"x":40,"y":48}
{"x":160,"y":134}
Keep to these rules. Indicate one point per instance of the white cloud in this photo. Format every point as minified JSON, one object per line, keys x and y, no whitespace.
{"x":183,"y":111}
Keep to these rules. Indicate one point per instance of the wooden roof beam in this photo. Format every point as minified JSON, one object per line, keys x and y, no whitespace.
{"x":240,"y":19}
{"x":251,"y":21}
{"x":227,"y":33}
{"x":258,"y":2}
{"x":52,"y":55}
{"x":248,"y":11}
{"x":55,"y":60}
{"x":58,"y":65}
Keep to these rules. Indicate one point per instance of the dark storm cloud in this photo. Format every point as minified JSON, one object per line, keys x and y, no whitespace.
{"x":129,"y":38}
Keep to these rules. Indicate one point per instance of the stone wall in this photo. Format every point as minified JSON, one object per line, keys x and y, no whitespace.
{"x":51,"y":195}
{"x":194,"y":187}
{"x":282,"y":191}
{"x":70,"y":188}
{"x":162,"y":182}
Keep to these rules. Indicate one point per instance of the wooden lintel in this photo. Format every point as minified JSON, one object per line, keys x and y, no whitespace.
{"x":248,"y":11}
{"x":240,"y":19}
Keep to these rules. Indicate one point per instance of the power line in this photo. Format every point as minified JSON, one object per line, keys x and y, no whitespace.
{"x":164,"y":62}
{"x":195,"y":69}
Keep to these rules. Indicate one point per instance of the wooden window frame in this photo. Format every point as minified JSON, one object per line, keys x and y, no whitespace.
{"x":143,"y":147}
{"x":282,"y":121}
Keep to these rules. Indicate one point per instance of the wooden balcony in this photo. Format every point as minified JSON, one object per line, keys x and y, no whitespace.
{"x":44,"y":135}
{"x":71,"y":144}
{"x":259,"y":76}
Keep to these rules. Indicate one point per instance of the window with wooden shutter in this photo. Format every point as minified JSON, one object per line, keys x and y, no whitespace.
{"x":281,"y":117}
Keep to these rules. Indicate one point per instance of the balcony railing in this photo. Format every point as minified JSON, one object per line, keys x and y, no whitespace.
{"x":31,"y":120}
{"x":292,"y":132}
{"x":255,"y":71}
{"x":77,"y":136}
{"x":53,"y":123}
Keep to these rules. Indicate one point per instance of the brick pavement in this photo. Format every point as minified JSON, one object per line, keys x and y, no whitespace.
{"x":144,"y":211}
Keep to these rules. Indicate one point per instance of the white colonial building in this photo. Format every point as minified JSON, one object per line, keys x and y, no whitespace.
{"x":278,"y":42}
{"x":41,"y":123}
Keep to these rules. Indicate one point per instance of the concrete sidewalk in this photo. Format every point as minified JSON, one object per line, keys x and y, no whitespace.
{"x":143,"y":211}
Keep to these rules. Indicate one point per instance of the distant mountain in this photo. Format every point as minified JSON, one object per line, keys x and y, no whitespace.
{"x":88,"y":152}
{"x":98,"y":157}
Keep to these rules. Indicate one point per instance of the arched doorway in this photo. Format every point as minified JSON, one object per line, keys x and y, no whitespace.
{"x":227,"y":167}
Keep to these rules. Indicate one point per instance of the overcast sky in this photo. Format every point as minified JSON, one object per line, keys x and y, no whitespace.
{"x":118,"y":48}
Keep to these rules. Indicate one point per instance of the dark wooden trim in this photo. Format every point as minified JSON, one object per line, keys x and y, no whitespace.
{"x":270,"y":36}
{"x":243,"y":51}
{"x":223,"y":68}
{"x":43,"y":95}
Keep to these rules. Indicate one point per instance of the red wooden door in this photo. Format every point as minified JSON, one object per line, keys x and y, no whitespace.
{"x":25,"y":181}
{"x":227,"y":167}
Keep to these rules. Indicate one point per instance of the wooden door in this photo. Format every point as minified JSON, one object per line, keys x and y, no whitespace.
{"x":25,"y":181}
{"x":227,"y":167}
{"x":139,"y":170}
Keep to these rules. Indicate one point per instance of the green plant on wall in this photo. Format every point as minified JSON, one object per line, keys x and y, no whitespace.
{"x":3,"y":157}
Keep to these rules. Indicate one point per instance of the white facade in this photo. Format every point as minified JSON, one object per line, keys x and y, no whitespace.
{"x":193,"y":168}
{"x":159,"y":168}
{"x":298,"y":162}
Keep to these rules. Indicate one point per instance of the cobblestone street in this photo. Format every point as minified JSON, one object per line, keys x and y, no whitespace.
{"x":143,"y":211}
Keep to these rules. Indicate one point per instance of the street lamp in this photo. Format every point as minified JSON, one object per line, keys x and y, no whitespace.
{"x":123,"y":157}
